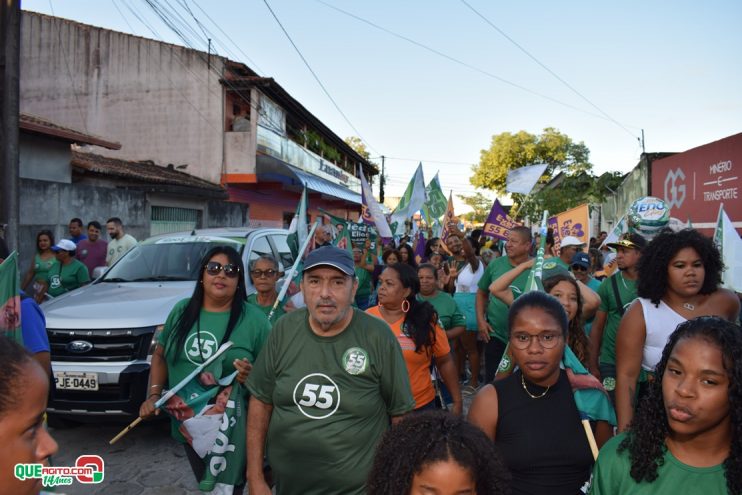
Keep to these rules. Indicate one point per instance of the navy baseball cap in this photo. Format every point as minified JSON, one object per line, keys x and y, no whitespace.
{"x":331,"y":256}
{"x":581,"y":259}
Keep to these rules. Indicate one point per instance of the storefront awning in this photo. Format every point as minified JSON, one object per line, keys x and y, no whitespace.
{"x":270,"y":168}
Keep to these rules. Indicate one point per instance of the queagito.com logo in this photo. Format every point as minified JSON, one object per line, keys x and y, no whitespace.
{"x":88,"y":469}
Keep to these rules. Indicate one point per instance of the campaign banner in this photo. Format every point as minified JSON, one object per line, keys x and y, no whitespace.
{"x":498,"y":224}
{"x":359,"y":233}
{"x":10,"y":299}
{"x":574,"y":222}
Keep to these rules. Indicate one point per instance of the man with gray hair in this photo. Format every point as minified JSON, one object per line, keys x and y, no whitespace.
{"x":318,"y":444}
{"x":323,"y":236}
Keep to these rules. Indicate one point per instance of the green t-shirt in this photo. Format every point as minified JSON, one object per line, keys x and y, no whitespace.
{"x":364,"y":282}
{"x":608,"y":304}
{"x":248,"y":337}
{"x":64,"y":278}
{"x":497,"y":311}
{"x":559,"y":261}
{"x":332,"y":398}
{"x":42,"y":268}
{"x":448,"y":311}
{"x":611,"y":475}
{"x":253,"y":299}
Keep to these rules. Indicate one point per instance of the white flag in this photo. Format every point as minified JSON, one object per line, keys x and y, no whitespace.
{"x":730,"y":246}
{"x":413,"y":199}
{"x":371,"y":213}
{"x":522,"y":180}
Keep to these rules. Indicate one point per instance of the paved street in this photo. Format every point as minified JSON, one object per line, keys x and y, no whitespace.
{"x":146,"y":461}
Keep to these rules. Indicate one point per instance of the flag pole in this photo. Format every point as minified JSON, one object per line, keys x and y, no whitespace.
{"x":294,"y":268}
{"x":175,"y":389}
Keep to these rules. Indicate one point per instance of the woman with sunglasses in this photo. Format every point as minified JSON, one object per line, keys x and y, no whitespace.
{"x":217,"y":312}
{"x":532,"y":415}
{"x":264,"y":273}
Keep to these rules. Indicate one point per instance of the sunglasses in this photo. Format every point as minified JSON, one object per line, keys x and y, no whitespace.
{"x":230,"y":270}
{"x":269,"y":273}
{"x":578,"y":268}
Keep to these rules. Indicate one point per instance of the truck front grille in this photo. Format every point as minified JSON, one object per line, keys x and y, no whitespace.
{"x":121,"y":344}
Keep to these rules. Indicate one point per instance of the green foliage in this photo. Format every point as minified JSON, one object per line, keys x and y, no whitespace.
{"x":481,"y":205}
{"x":360,"y":148}
{"x":568,"y":175}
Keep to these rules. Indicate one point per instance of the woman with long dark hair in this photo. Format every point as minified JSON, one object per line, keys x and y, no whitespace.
{"x":44,"y":263}
{"x":407,"y":255}
{"x":686,"y":436}
{"x":679,"y":278}
{"x":423,"y":341}
{"x":217,"y":312}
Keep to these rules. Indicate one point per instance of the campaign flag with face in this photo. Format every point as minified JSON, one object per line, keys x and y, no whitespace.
{"x":420,"y":248}
{"x":730,"y":246}
{"x":10,"y":299}
{"x":411,"y":201}
{"x":498,"y":224}
{"x":342,"y":237}
{"x":435,"y":206}
{"x":371,"y":213}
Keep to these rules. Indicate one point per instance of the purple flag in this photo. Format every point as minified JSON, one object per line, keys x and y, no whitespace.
{"x":498,"y":223}
{"x":420,"y":248}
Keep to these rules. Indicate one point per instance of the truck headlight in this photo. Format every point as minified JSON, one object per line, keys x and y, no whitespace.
{"x":155,"y":336}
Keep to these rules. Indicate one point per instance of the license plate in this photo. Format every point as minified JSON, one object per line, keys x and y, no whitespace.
{"x":66,"y":380}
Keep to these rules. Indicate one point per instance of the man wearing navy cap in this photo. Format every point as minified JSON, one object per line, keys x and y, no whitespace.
{"x":324,"y":387}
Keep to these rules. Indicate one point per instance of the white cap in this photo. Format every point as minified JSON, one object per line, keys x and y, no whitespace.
{"x":64,"y":245}
{"x":571,"y":241}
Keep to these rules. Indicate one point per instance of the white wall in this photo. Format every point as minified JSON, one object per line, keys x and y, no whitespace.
{"x":159,"y":101}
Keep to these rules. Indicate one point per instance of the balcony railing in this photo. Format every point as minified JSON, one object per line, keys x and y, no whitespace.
{"x":284,"y":149}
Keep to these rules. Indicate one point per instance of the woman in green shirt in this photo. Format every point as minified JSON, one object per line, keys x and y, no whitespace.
{"x":264,"y":273}
{"x":69,"y":273}
{"x":450,"y":316}
{"x":686,"y":436}
{"x":43,"y":262}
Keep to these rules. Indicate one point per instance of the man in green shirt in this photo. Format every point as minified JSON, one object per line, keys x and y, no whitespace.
{"x":616,"y":295}
{"x":360,"y":259}
{"x":324,"y":388}
{"x":492,"y":314}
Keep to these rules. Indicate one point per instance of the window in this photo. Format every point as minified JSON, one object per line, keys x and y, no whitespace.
{"x":167,"y":219}
{"x":284,"y":253}
{"x":260,"y":246}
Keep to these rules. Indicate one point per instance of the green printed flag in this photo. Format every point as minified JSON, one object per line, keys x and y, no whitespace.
{"x":208,"y":411}
{"x":591,"y":399}
{"x":730,"y":246}
{"x":298,"y":230}
{"x":342,"y":226}
{"x":10,"y":299}
{"x":435,"y":206}
{"x":533,"y":283}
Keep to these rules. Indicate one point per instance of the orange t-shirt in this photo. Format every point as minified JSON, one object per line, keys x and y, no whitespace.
{"x":418,"y":363}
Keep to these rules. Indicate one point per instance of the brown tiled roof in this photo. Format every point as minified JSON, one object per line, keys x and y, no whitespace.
{"x":142,"y":172}
{"x":38,"y":125}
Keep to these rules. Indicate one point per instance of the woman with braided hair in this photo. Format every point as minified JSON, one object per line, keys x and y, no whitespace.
{"x":436,"y":452}
{"x":686,"y":436}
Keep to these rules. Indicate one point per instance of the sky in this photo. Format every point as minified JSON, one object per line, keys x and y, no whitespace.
{"x":600,"y":72}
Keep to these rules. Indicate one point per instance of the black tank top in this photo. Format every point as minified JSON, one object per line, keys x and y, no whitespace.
{"x":542,"y":440}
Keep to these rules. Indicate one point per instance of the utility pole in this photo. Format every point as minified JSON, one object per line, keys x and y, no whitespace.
{"x":10,"y":34}
{"x":381,"y":182}
{"x":643,"y":147}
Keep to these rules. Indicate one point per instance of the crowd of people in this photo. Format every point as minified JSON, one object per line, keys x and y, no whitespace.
{"x":69,"y":263}
{"x":604,"y":383}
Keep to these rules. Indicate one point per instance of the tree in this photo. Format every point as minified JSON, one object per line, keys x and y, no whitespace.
{"x":360,"y":148}
{"x":568,"y":166}
{"x":481,"y":205}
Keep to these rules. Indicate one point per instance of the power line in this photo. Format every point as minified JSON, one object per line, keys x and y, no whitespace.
{"x":547,"y":69}
{"x":460,"y":62}
{"x":316,"y":78}
{"x":421,"y":160}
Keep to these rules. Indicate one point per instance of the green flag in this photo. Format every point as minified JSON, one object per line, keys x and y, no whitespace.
{"x":298,"y":228}
{"x":342,"y":237}
{"x":533,"y":283}
{"x":435,"y":206}
{"x":10,"y":298}
{"x":411,"y":201}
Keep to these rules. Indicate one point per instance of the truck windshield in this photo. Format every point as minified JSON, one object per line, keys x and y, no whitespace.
{"x":164,"y":261}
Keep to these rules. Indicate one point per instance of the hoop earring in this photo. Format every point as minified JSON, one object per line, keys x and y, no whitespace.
{"x":405,"y":308}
